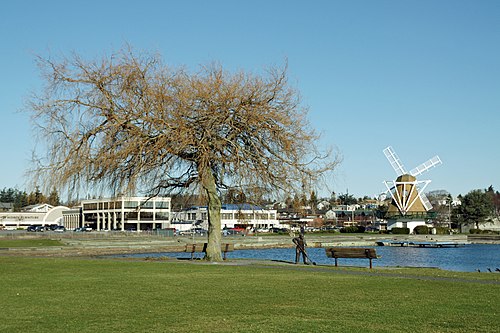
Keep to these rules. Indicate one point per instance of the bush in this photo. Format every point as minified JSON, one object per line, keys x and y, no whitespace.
{"x":484,"y":232}
{"x":352,"y":230}
{"x":442,"y":231}
{"x":421,"y":230}
{"x":400,"y":231}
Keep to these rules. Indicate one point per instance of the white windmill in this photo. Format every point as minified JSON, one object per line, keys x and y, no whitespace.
{"x":407,"y":192}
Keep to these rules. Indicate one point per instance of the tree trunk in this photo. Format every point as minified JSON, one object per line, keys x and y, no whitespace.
{"x":214,"y":223}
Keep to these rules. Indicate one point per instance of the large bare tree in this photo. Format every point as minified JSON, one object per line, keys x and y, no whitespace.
{"x":127,"y":122}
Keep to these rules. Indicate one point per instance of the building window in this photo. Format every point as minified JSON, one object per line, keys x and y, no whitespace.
{"x":159,"y":216}
{"x":146,"y":216}
{"x":162,"y":204}
{"x":131,"y":215}
{"x":90,"y":206}
{"x":130,"y":204}
{"x":147,"y":204}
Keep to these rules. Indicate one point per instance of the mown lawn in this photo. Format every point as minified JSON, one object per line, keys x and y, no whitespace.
{"x":106,"y":295}
{"x":37,"y":242}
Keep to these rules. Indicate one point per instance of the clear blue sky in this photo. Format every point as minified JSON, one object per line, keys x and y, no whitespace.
{"x":422,"y":76}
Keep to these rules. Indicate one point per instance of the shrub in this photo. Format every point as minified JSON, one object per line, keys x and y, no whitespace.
{"x":442,"y":231}
{"x":400,"y":231}
{"x":421,"y":230}
{"x":352,"y":229}
{"x":484,"y":232}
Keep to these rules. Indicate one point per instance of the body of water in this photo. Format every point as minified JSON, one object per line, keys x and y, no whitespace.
{"x":467,"y":258}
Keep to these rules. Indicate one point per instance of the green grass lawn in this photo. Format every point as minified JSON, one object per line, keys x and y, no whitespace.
{"x":38,"y":242}
{"x":106,"y":295}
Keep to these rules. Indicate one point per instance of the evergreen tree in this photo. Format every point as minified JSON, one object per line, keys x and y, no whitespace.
{"x":476,"y":208}
{"x":53,"y":198}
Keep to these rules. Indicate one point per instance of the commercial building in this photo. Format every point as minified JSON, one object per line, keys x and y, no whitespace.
{"x":38,"y":215}
{"x":122,"y":213}
{"x":243,"y":216}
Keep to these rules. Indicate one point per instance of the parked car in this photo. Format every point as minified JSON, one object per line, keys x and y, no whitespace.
{"x":40,"y":228}
{"x":60,"y":228}
{"x":233,"y":231}
{"x":194,"y":232}
{"x":82,"y":229}
{"x":279,"y":230}
{"x":31,"y":228}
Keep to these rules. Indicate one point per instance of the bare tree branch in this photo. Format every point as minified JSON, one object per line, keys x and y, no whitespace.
{"x":127,"y":123}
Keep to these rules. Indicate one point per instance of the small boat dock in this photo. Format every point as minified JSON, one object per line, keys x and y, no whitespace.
{"x":407,"y":243}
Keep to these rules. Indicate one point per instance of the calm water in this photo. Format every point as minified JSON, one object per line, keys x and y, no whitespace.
{"x":467,"y":258}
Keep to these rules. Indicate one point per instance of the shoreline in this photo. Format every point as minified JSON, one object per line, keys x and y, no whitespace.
{"x":97,"y":244}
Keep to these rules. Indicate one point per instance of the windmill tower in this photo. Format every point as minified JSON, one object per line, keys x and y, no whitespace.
{"x":408,"y":199}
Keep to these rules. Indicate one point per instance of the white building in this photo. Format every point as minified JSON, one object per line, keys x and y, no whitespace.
{"x":40,"y":215}
{"x":406,"y":223}
{"x":243,"y":216}
{"x":122,"y":213}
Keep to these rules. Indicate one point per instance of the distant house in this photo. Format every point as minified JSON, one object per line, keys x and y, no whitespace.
{"x":323,"y":205}
{"x":6,"y":207}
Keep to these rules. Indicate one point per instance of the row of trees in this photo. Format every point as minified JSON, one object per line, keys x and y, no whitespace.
{"x":478,"y":206}
{"x":475,"y":208}
{"x":21,"y":199}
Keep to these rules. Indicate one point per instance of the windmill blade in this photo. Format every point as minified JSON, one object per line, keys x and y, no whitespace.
{"x":395,"y":196}
{"x":433,"y":162}
{"x":420,"y":190}
{"x":425,"y":201}
{"x":394,"y":161}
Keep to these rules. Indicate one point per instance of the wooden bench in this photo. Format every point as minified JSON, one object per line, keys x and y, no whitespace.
{"x":351,"y":252}
{"x":202,"y":247}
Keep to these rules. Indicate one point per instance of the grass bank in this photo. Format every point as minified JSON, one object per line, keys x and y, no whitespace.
{"x":101,"y":295}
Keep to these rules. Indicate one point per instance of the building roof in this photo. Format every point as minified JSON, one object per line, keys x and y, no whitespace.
{"x":6,"y":205}
{"x":244,"y":206}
